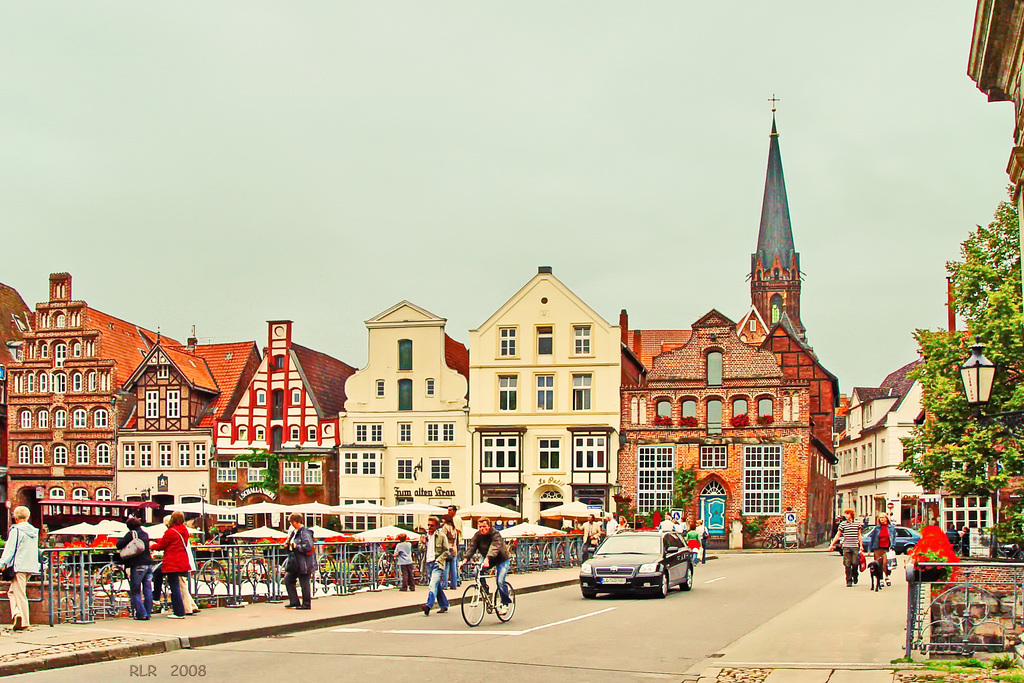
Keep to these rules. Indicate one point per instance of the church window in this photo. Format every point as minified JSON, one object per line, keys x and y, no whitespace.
{"x":776,"y":308}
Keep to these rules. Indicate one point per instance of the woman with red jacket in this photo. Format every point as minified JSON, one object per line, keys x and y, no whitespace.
{"x":175,"y":562}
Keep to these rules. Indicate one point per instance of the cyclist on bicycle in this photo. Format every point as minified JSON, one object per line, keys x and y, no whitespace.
{"x":491,"y":546}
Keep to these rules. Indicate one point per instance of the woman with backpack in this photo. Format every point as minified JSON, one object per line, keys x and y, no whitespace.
{"x":133,"y":548}
{"x":20,"y":559}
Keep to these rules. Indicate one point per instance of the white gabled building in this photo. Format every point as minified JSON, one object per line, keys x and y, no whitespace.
{"x":871,"y":451}
{"x":404,"y":432}
{"x":544,"y":377}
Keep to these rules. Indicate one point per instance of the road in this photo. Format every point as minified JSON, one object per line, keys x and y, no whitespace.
{"x":555,"y":635}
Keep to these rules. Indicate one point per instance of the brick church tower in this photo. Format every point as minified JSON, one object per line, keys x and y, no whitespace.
{"x":775,"y":268}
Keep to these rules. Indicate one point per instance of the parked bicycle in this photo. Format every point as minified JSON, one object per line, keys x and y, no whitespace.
{"x":779,"y":540}
{"x":478,"y":600}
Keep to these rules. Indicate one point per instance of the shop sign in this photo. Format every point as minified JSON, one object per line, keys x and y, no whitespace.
{"x":253,"y":490}
{"x":423,"y":492}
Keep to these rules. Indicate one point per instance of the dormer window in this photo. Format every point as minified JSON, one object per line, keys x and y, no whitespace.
{"x":163,"y":371}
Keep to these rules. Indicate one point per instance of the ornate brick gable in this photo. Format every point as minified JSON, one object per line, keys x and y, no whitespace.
{"x":714,"y":332}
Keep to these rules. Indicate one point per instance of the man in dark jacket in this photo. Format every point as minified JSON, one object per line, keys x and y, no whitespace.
{"x":301,"y":562}
{"x":489,"y":543}
{"x":139,"y":568}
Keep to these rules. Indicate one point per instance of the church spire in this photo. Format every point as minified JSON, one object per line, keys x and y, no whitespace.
{"x":775,"y":267}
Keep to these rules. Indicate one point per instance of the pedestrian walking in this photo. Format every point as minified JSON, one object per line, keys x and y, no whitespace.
{"x":623,"y":525}
{"x":965,"y":542}
{"x":611,"y":526}
{"x":591,"y":537}
{"x":301,"y":562}
{"x":452,"y":565}
{"x":20,"y":559}
{"x":133,"y":549}
{"x":850,"y":536}
{"x":175,"y":562}
{"x":702,"y":535}
{"x":403,"y":559}
{"x":693,"y":541}
{"x":437,"y":551}
{"x":879,"y":540}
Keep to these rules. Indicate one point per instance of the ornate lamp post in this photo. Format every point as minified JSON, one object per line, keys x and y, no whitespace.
{"x":202,"y":497}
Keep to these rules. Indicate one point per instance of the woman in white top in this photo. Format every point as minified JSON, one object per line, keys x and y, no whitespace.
{"x":21,"y":552}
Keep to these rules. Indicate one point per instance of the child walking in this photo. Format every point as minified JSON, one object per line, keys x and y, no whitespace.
{"x":403,"y":558}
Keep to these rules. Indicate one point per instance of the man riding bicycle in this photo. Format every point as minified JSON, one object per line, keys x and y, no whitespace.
{"x":491,"y":546}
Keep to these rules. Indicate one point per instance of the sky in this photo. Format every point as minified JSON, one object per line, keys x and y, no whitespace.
{"x":221,"y":164}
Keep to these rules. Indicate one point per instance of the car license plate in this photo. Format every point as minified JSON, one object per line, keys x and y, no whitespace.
{"x":613,"y":580}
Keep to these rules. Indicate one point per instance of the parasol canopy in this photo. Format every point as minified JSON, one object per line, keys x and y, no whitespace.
{"x":416,"y":509}
{"x":527,"y":529}
{"x":573,"y":510}
{"x":262,"y":532}
{"x":262,"y":509}
{"x":386,"y":532}
{"x":489,"y":510}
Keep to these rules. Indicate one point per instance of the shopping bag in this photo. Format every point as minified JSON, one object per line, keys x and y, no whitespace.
{"x":890,"y":558}
{"x":863,"y":561}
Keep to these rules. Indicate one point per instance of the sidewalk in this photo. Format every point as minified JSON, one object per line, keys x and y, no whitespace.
{"x":43,"y":647}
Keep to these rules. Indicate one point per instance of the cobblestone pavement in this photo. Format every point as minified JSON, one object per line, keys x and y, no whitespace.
{"x":733,"y":675}
{"x":64,"y":648}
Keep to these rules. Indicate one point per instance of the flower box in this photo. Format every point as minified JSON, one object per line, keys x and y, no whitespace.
{"x":663,"y":421}
{"x":742,"y":420}
{"x":765,"y":419}
{"x":687,"y":422}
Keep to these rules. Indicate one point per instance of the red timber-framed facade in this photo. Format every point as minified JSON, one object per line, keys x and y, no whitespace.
{"x":64,"y":400}
{"x":164,"y":447}
{"x":290,"y":409}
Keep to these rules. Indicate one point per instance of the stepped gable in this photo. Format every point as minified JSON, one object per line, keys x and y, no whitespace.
{"x":456,"y":356}
{"x":232,"y":366}
{"x":123,"y":342}
{"x":714,"y":331}
{"x":325,"y":376}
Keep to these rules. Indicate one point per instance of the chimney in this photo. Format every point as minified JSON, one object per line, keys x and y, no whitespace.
{"x":192,"y":341}
{"x":624,"y":327}
{"x":544,"y":270}
{"x":950,"y":313}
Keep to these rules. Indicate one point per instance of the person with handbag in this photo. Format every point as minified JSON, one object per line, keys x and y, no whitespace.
{"x":300,"y":563}
{"x":133,"y":549}
{"x":175,"y":563}
{"x":20,"y":558}
{"x":879,"y":541}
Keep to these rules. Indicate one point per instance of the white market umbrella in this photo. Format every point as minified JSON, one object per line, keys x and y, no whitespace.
{"x":262,"y":532}
{"x":261,"y":509}
{"x":489,"y":510}
{"x":157,"y":531}
{"x":573,"y":510}
{"x":416,"y":509}
{"x":312,"y":509}
{"x":199,"y":508}
{"x":81,"y":529}
{"x":527,"y":529}
{"x":320,"y":532}
{"x":361,"y":509}
{"x":112,"y":527}
{"x":384,"y":532}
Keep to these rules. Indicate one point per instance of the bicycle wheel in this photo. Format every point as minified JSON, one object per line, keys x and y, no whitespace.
{"x":505,"y":612}
{"x":473,"y":605}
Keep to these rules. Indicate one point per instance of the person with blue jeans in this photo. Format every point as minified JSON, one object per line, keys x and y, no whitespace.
{"x":489,"y":543}
{"x":436,"y":556}
{"x":139,"y":568}
{"x":452,"y":565}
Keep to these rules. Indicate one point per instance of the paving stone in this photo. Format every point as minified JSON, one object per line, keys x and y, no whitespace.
{"x":862,"y":676}
{"x":798,"y":676}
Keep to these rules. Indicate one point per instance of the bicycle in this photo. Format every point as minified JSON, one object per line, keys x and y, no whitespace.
{"x":478,"y":600}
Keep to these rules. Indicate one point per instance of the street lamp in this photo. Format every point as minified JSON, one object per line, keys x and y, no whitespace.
{"x":202,"y":497}
{"x":978,"y":375}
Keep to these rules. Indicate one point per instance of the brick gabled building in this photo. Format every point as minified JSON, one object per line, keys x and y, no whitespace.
{"x":165,"y":444}
{"x":64,"y":399}
{"x":291,"y":407}
{"x":14,"y":322}
{"x":747,"y":406}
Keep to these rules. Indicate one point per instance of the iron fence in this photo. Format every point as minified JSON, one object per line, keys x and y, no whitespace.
{"x":965,"y":607}
{"x":82,"y":585}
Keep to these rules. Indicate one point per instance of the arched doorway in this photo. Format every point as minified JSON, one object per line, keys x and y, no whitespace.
{"x":712,"y":507}
{"x":27,"y":496}
{"x":548,"y":498}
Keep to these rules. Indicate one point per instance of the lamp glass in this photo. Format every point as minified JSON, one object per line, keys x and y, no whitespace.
{"x":978,"y":375}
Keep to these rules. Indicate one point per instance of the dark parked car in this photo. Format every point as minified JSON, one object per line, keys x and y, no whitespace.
{"x":906,"y":539}
{"x":648,"y":561}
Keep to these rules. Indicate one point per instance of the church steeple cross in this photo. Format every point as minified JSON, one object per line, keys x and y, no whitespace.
{"x":773,"y":99}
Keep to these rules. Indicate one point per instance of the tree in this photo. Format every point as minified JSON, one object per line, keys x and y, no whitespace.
{"x":952,"y":451}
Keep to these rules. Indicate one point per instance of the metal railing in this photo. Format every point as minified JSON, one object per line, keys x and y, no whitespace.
{"x":965,"y":607}
{"x":83,"y":585}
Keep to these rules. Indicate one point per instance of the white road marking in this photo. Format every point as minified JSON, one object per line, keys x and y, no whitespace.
{"x":713,"y":580}
{"x":470,"y":631}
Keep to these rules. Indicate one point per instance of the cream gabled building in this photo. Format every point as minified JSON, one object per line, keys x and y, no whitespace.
{"x":404,"y":431}
{"x":544,"y":378}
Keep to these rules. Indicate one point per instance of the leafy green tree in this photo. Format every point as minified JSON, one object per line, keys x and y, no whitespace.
{"x":952,"y":451}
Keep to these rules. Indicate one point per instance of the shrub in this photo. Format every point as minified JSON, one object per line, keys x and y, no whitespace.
{"x":1003,"y":662}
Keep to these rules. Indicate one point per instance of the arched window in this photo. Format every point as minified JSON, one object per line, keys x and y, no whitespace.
{"x":713,"y":488}
{"x":103,"y":494}
{"x":739,"y":407}
{"x":295,"y":433}
{"x":60,"y":383}
{"x":38,"y":454}
{"x":663,"y":408}
{"x":776,"y":308}
{"x":261,"y":434}
{"x":60,"y":455}
{"x":79,"y":418}
{"x":80,"y":494}
{"x":430,"y":387}
{"x":82,"y":454}
{"x":92,"y":381}
{"x":43,"y":419}
{"x":689,"y":408}
{"x":714,"y":416}
{"x":243,"y":434}
{"x":76,"y":350}
{"x":261,"y":398}
{"x":44,"y":382}
{"x":277,"y":404}
{"x":311,"y":433}
{"x":102,"y":454}
{"x":57,"y":492}
{"x":60,"y":418}
{"x":60,"y":354}
{"x":26,"y":419}
{"x":99,"y":420}
{"x":76,"y":382}
{"x":405,"y":354}
{"x":714,"y":370}
{"x":23,"y":454}
{"x":44,"y":351}
{"x":62,"y":320}
{"x":764,"y":409}
{"x":31,"y":383}
{"x":296,"y":397}
{"x":405,"y":394}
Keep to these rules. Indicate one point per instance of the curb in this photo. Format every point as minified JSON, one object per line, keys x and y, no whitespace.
{"x":105,"y":654}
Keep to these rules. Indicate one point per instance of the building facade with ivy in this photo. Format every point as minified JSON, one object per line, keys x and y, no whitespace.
{"x":404,"y":432}
{"x":280,"y":442}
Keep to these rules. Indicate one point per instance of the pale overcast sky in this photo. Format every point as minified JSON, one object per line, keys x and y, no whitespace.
{"x":225,"y":163}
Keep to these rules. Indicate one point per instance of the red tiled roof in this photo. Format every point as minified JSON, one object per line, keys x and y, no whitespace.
{"x":456,"y":356}
{"x":646,"y":344}
{"x":326,"y":377}
{"x":232,"y":366}
{"x":125,"y":343}
{"x":192,"y":367}
{"x":11,"y":305}
{"x":900,"y":380}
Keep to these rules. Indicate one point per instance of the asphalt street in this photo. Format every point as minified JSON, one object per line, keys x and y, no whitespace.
{"x":555,"y":635}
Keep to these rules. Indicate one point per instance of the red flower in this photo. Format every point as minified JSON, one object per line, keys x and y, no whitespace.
{"x":741,"y":420}
{"x":687,"y":422}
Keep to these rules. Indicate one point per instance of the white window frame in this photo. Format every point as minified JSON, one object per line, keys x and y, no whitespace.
{"x":99,"y":419}
{"x":80,"y":419}
{"x":314,"y":474}
{"x":377,"y":433}
{"x":60,"y":454}
{"x":145,"y":455}
{"x":590,"y":452}
{"x":507,"y":342}
{"x":500,"y":452}
{"x":227,"y":473}
{"x":152,"y":405}
{"x":508,"y":393}
{"x":82,"y":454}
{"x":103,"y":454}
{"x":433,"y":432}
{"x":128,"y":455}
{"x":43,"y":419}
{"x":582,"y":391}
{"x":429,"y":387}
{"x":654,"y":474}
{"x":545,"y":393}
{"x":164,"y":450}
{"x":404,"y":432}
{"x":715,"y":457}
{"x":440,"y":469}
{"x":80,"y":494}
{"x":76,"y":382}
{"x":200,"y":453}
{"x":103,"y":493}
{"x":255,"y":473}
{"x":552,"y":447}
{"x":184,"y":454}
{"x":25,"y":418}
{"x":294,"y":433}
{"x":971,"y":511}
{"x":403,"y":469}
{"x":24,"y":454}
{"x":581,"y":340}
{"x":380,"y":388}
{"x":173,"y":403}
{"x":291,"y":473}
{"x":60,"y":418}
{"x":762,"y":480}
{"x":311,"y":433}
{"x":58,"y":493}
